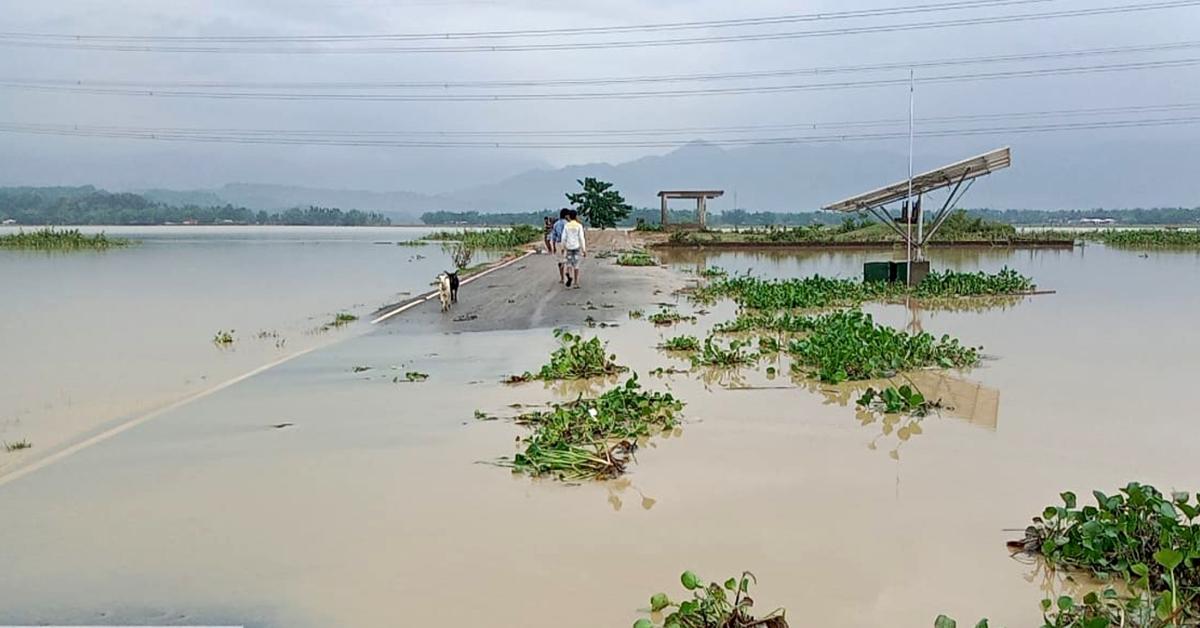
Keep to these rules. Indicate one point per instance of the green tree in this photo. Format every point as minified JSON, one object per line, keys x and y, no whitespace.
{"x":601,"y":205}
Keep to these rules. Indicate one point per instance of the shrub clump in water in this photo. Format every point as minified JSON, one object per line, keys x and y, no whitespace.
{"x":713,"y":605}
{"x":575,"y":358}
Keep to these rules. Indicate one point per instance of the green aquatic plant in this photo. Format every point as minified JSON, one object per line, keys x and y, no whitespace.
{"x":636,"y":314}
{"x":575,"y":358}
{"x":1148,"y":238}
{"x":593,"y":438}
{"x":712,"y":605}
{"x":783,"y":322}
{"x":1148,"y":541}
{"x":223,"y":338}
{"x":849,"y":345}
{"x":507,"y":238}
{"x":733,"y":354}
{"x":415,"y":376}
{"x":891,"y":400}
{"x":341,"y":319}
{"x":665,"y":317}
{"x":51,"y":239}
{"x":950,"y":283}
{"x":712,"y":272}
{"x":769,"y":345}
{"x":17,"y":445}
{"x":681,"y":343}
{"x":636,"y":259}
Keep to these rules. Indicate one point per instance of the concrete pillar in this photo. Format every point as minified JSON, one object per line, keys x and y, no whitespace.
{"x":701,"y":210}
{"x":663,"y":198}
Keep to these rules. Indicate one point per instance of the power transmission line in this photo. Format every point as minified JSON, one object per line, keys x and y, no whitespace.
{"x":543,"y":32}
{"x":641,"y":132}
{"x":100,"y":132}
{"x":22,"y":40}
{"x":604,"y":95}
{"x":604,"y":81}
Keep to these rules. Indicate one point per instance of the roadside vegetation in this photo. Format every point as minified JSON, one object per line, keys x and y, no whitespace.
{"x":17,"y":445}
{"x":52,"y":239}
{"x":507,"y":238}
{"x":636,"y":259}
{"x":593,"y":438}
{"x":575,"y":358}
{"x":1147,"y":238}
{"x":712,"y":605}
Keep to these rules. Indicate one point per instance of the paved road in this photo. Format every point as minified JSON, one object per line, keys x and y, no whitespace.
{"x":527,"y":294}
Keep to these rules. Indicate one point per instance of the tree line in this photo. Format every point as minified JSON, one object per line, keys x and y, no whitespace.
{"x":87,"y":205}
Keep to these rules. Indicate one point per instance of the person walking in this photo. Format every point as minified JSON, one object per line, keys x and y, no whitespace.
{"x":547,"y":228}
{"x":574,"y":246}
{"x":556,"y":233}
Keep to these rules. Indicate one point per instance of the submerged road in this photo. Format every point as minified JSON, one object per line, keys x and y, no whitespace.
{"x":527,"y":293}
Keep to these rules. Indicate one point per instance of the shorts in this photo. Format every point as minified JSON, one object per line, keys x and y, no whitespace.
{"x":561,"y":252}
{"x":571,"y":257}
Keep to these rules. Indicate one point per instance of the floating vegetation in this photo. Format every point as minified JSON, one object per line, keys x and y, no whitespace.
{"x":413,"y":376}
{"x":340,"y":320}
{"x":665,"y":317}
{"x":412,"y":243}
{"x":819,"y":292}
{"x":712,"y":605}
{"x":360,"y":369}
{"x":636,"y":314}
{"x":950,"y":283}
{"x":636,"y":259}
{"x":784,"y":322}
{"x":768,"y":345}
{"x":575,"y":358}
{"x":681,"y":343}
{"x":51,"y":239}
{"x":508,"y":238}
{"x":848,"y":345}
{"x":733,"y":354}
{"x":223,"y":338}
{"x":1149,"y":542}
{"x":593,"y":438}
{"x":17,"y":445}
{"x":1148,"y":238}
{"x":891,"y":400}
{"x":713,"y":272}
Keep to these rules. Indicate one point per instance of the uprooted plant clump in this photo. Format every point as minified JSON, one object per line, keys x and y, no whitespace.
{"x":637,"y":258}
{"x":680,"y":343}
{"x":849,"y":345}
{"x":712,"y":353}
{"x":665,"y":317}
{"x":713,"y":605}
{"x":1140,"y":537}
{"x":575,"y":358}
{"x":593,"y":438}
{"x":905,"y":399}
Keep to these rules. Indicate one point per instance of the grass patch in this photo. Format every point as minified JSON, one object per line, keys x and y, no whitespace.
{"x":681,"y":343}
{"x":636,"y":259}
{"x":51,"y":239}
{"x":593,"y":438}
{"x":848,"y":345}
{"x":575,"y":358}
{"x":507,"y":238}
{"x":17,"y":445}
{"x":712,"y":605}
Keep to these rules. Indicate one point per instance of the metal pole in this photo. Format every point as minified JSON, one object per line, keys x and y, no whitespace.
{"x":911,"y":209}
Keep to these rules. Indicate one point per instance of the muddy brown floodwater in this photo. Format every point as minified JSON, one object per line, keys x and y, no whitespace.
{"x":376,"y":506}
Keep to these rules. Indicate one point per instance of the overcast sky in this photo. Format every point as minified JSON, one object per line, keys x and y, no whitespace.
{"x":124,"y":163}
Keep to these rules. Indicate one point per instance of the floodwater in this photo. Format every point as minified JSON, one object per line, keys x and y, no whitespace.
{"x":89,"y":338}
{"x":371,"y":508}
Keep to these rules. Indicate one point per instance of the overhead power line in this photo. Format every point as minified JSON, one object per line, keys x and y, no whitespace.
{"x":238,"y":137}
{"x":611,"y":80}
{"x":601,"y":95}
{"x":540,"y":32}
{"x":268,"y":47}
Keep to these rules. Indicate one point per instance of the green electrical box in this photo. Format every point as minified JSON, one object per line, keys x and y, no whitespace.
{"x":877,"y":271}
{"x":900,"y":272}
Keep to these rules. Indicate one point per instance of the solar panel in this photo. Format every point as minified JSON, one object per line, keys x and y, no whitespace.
{"x":936,"y":179}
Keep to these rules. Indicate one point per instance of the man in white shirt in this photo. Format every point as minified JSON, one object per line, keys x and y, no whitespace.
{"x":575,"y":246}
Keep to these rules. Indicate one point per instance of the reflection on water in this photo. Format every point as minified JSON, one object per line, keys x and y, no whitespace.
{"x":91,"y":337}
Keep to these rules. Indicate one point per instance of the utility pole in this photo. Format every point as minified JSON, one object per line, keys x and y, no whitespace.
{"x":909,"y":200}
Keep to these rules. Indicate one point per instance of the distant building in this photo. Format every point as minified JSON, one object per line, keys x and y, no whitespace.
{"x":8,"y":221}
{"x":1097,"y":221}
